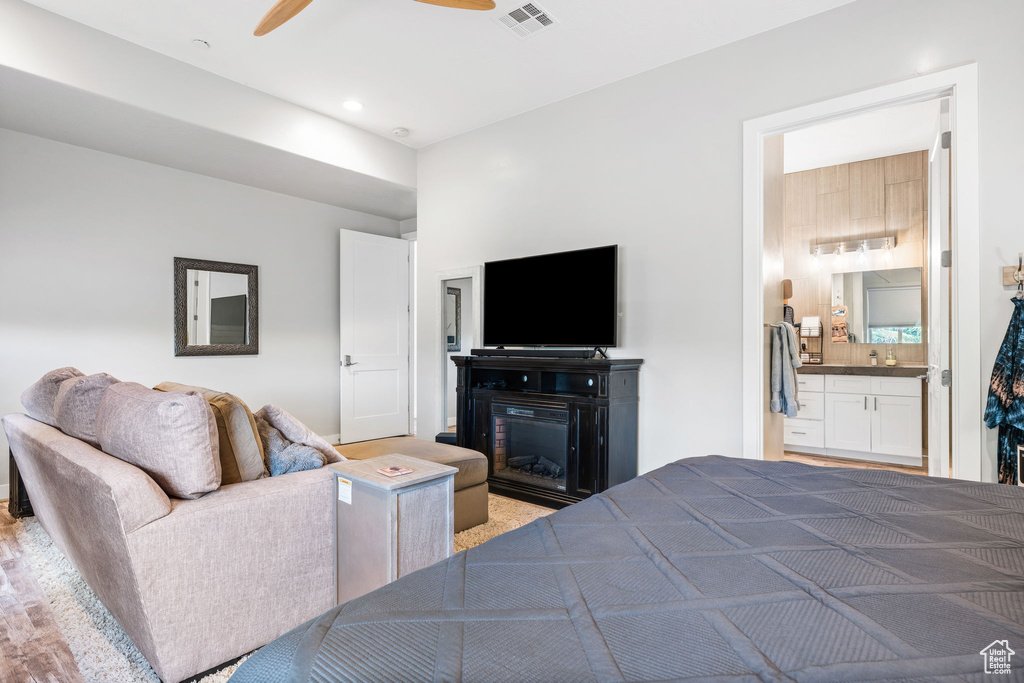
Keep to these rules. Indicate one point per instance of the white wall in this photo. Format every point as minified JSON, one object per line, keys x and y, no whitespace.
{"x":654,"y":163}
{"x":465,"y":285}
{"x":86,"y":274}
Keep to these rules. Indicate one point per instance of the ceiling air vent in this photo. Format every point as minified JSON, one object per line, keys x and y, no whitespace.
{"x":526,"y":21}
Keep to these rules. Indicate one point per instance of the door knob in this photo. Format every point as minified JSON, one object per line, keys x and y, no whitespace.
{"x":348,"y":361}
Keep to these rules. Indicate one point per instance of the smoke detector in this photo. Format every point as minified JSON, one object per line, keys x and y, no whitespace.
{"x":525,"y":21}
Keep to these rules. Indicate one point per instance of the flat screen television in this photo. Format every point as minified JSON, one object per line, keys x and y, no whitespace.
{"x":564,"y":299}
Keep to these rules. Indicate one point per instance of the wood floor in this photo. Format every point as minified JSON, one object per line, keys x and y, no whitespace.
{"x":824,"y":461}
{"x":31,"y":647}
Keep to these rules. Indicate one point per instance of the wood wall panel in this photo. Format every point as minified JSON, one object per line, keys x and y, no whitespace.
{"x":833,"y":216}
{"x":861,"y":200}
{"x":867,"y":189}
{"x":833,"y":179}
{"x":904,"y":211}
{"x":903,"y":167}
{"x":801,"y":190}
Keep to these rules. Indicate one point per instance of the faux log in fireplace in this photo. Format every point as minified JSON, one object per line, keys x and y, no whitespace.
{"x":554,"y":430}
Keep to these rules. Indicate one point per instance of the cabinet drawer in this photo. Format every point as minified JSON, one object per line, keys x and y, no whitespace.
{"x":848,"y":384}
{"x":814,"y":383}
{"x":804,"y":433}
{"x":896,"y":386}
{"x":812,"y":406}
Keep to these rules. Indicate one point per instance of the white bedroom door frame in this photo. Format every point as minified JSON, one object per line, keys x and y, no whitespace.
{"x":476,"y":274}
{"x":960,"y":84}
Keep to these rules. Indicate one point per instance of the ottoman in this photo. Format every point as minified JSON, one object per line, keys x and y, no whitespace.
{"x":470,"y":480}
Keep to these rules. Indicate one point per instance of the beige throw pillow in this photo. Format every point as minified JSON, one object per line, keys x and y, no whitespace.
{"x":296,"y":432}
{"x":38,"y":399}
{"x":241,"y":452}
{"x":76,"y":404}
{"x":172,"y":436}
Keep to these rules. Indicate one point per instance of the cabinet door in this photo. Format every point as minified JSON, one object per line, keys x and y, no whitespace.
{"x":847,"y":422}
{"x":896,"y":423}
{"x":585,"y":450}
{"x":482,"y":426}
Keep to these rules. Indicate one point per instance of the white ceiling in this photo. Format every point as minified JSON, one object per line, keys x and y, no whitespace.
{"x":896,"y":130}
{"x":436,"y":71}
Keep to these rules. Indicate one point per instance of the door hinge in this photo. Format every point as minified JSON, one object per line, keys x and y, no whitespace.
{"x":947,"y":259}
{"x":947,"y":378}
{"x":195,"y":317}
{"x":947,"y":139}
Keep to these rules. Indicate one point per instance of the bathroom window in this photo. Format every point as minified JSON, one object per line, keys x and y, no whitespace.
{"x":895,"y":335}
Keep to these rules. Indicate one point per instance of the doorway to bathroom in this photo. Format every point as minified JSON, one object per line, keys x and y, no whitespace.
{"x":853,"y":208}
{"x":459,"y":325}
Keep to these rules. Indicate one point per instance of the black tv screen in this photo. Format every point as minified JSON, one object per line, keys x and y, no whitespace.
{"x":564,"y":299}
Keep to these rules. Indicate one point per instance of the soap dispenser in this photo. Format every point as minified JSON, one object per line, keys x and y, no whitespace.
{"x":874,"y":357}
{"x":890,"y":357}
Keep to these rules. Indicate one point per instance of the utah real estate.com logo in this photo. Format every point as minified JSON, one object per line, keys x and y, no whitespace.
{"x":997,"y":657}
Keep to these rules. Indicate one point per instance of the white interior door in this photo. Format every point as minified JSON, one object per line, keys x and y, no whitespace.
{"x":939,"y":320}
{"x":374,"y":336}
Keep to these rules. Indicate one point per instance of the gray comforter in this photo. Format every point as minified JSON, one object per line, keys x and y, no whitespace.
{"x":706,"y":568}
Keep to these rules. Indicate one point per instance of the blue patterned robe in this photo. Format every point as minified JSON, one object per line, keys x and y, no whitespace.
{"x":1006,"y":396}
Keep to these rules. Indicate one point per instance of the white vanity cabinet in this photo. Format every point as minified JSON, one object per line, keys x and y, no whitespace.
{"x":865,"y":418}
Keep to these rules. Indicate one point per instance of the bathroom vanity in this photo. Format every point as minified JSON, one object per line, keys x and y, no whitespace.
{"x":870,"y":413}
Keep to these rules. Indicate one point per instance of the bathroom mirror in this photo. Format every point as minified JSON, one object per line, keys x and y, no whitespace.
{"x":453,"y":319}
{"x":216,"y":310}
{"x":882,"y":306}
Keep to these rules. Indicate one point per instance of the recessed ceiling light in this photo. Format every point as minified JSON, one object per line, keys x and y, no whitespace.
{"x":352,"y":105}
{"x":200,"y":43}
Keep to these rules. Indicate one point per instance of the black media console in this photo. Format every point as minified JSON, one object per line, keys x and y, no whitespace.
{"x":554,"y":430}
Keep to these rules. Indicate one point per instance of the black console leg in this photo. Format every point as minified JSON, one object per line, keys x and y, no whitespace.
{"x":19,"y":505}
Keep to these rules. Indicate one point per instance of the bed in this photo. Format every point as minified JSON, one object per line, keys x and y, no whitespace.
{"x":707,"y":567}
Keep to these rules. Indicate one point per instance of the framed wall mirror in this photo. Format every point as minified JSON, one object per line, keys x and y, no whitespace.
{"x":453,"y":319}
{"x":881,"y":306}
{"x":216,"y":308}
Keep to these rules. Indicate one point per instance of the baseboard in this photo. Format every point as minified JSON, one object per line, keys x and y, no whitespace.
{"x":333,"y":439}
{"x":5,"y":492}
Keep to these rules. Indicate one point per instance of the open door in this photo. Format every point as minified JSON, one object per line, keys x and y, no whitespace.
{"x":374,"y":310}
{"x":939,"y":319}
{"x":774,"y":217}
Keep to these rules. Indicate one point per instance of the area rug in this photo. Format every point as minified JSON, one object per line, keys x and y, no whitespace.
{"x":101,"y":648}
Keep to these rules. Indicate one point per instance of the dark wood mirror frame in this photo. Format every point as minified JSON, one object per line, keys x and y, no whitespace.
{"x":181,"y":345}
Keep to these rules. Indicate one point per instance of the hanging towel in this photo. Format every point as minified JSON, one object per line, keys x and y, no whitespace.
{"x":1005,"y":408}
{"x":785,"y":361}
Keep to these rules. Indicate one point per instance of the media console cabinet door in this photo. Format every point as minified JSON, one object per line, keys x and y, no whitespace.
{"x":387,"y":528}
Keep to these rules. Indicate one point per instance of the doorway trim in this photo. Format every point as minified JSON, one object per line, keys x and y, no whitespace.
{"x":476,"y":274}
{"x":960,"y":84}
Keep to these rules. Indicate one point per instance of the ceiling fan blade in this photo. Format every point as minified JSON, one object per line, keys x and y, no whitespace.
{"x":462,"y":4}
{"x":278,"y":14}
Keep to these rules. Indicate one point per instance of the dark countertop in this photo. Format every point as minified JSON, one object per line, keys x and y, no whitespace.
{"x":880,"y":370}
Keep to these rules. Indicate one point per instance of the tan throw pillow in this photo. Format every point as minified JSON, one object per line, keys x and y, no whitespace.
{"x":296,"y":432}
{"x":172,"y":436}
{"x":38,"y":399}
{"x":76,"y":404}
{"x":241,"y":452}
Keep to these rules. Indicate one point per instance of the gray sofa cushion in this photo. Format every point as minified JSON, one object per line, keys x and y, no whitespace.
{"x":38,"y":399}
{"x":296,"y":432}
{"x":172,"y":436}
{"x":76,"y":404}
{"x":241,"y":453}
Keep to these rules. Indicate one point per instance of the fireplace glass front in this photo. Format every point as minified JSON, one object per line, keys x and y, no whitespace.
{"x":530,"y":445}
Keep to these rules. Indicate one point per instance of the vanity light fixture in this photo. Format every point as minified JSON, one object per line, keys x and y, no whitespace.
{"x":862,"y":246}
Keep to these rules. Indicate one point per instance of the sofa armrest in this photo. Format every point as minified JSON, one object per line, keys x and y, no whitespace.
{"x":231,"y":571}
{"x":57,"y":468}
